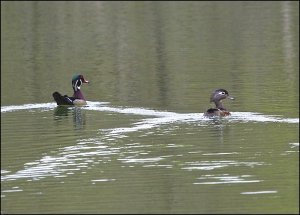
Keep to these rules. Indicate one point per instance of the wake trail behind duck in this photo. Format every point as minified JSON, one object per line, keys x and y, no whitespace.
{"x":168,"y":117}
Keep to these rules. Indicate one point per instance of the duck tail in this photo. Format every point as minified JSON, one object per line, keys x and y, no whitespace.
{"x":62,"y":100}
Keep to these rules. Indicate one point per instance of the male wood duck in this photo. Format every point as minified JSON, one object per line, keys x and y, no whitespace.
{"x":78,"y":97}
{"x":217,"y":96}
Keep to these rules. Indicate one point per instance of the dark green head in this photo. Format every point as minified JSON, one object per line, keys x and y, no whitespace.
{"x":77,"y":81}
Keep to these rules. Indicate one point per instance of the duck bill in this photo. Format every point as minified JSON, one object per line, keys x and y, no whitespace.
{"x":85,"y":81}
{"x":231,"y":98}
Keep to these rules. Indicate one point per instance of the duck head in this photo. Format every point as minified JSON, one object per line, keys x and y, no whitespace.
{"x":218,"y":95}
{"x":77,"y":81}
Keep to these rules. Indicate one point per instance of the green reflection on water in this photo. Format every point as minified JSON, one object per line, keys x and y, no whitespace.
{"x":158,"y":55}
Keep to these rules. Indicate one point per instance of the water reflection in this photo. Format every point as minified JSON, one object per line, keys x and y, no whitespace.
{"x":218,"y":128}
{"x":60,"y":111}
{"x":79,"y":117}
{"x":288,"y":48}
{"x":162,"y":58}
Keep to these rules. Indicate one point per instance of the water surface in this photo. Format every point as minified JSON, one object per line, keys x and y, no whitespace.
{"x":142,"y":145}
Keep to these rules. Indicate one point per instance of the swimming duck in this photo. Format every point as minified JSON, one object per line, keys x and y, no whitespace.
{"x":217,"y":96}
{"x":78,"y":97}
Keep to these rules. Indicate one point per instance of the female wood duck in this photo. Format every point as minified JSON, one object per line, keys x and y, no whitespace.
{"x":78,"y":98}
{"x":217,"y":96}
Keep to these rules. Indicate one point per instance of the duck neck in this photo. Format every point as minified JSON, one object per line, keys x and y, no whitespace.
{"x":219,"y":105}
{"x":78,"y":95}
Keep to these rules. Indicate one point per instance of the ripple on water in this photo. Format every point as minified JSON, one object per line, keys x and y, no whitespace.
{"x":210,"y":165}
{"x":259,"y":192}
{"x":161,"y":117}
{"x":225,"y":179}
{"x":74,"y":158}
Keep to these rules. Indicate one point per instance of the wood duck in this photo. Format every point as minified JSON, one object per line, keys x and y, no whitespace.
{"x":77,"y":98}
{"x":217,"y":96}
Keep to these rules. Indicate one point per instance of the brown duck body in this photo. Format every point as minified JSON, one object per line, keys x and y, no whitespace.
{"x":211,"y":112}
{"x":217,"y":96}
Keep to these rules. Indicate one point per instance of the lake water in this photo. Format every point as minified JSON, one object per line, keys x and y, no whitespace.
{"x":142,"y":145}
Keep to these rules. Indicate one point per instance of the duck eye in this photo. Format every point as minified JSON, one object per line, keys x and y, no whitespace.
{"x":222,"y":93}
